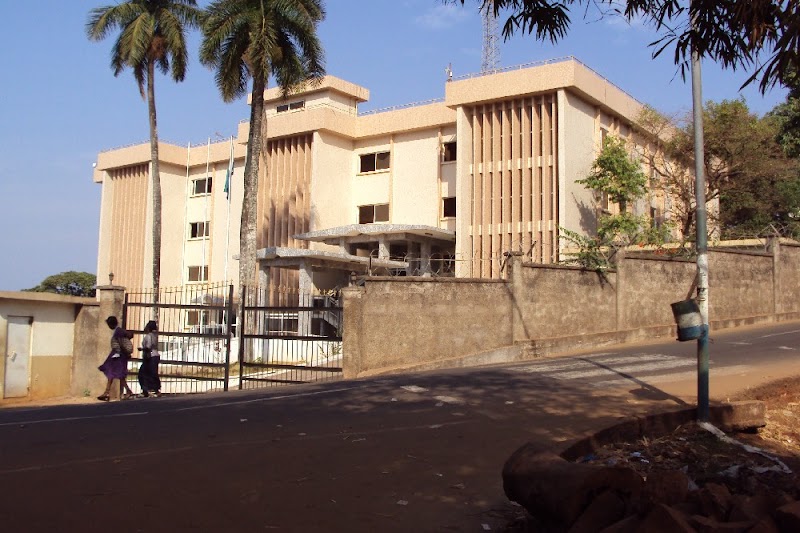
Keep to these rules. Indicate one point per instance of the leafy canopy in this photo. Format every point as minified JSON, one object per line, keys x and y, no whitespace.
{"x":245,"y":39}
{"x":71,"y":283}
{"x":615,"y":173}
{"x":151,"y":32}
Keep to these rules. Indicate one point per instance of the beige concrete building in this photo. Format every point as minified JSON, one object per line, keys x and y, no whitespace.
{"x":440,"y":188}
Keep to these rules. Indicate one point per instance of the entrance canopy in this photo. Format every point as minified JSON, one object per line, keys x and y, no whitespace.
{"x":322,"y":260}
{"x":362,"y":233}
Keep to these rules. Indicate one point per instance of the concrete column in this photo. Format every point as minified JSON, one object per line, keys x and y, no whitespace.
{"x":343,"y":246}
{"x":352,"y":353}
{"x":383,"y":248}
{"x":263,"y":276}
{"x":306,"y":289}
{"x":425,"y":259}
{"x":774,"y":246}
{"x":411,"y":257}
{"x":463,"y":246}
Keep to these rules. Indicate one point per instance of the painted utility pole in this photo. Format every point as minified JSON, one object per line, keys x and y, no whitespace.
{"x":701,"y":236}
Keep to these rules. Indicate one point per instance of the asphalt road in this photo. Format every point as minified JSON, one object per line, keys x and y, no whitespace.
{"x":420,"y":452}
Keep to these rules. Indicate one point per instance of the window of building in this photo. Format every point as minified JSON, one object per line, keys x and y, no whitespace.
{"x":201,"y":186}
{"x":282,"y":108}
{"x":449,"y":207}
{"x":196,"y":318}
{"x":197,"y":273}
{"x":198,"y":230}
{"x":374,"y":161}
{"x":368,"y":214}
{"x":449,"y":152}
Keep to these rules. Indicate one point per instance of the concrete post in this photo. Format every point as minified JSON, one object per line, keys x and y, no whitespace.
{"x":774,"y":246}
{"x":306,"y":289}
{"x":619,"y":306}
{"x":383,"y":248}
{"x":425,"y":259}
{"x":111,"y":299}
{"x":353,"y":310}
{"x":514,"y":284}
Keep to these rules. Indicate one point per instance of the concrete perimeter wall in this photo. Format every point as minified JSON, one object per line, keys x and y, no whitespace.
{"x":396,"y":324}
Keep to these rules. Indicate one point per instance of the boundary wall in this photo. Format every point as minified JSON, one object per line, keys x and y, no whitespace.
{"x":404,"y":324}
{"x":68,"y":340}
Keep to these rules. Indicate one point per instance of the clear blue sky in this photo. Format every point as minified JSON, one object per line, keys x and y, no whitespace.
{"x":61,"y":104}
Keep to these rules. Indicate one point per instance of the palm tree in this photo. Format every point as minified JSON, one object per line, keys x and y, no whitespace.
{"x":152,"y":35}
{"x":253,"y":39}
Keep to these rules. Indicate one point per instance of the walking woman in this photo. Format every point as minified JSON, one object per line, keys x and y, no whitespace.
{"x":148,"y":372}
{"x":116,"y":364}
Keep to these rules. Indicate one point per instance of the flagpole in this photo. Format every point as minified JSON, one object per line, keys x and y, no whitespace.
{"x":228,"y":179}
{"x":206,"y":228}
{"x":185,"y":213}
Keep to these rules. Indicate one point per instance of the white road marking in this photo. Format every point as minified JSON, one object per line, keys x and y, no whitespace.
{"x":69,"y":419}
{"x":267,"y":399}
{"x":413,"y":388}
{"x":740,"y":343}
{"x":660,"y":378}
{"x":779,"y":334}
{"x":785,"y":348}
{"x":626,"y":369}
{"x":449,"y":399}
{"x":575,"y":363}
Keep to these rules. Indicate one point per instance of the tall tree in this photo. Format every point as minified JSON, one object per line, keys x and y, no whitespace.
{"x":761,"y":35}
{"x":256,"y":39}
{"x":787,"y":116}
{"x":745,"y":167}
{"x":71,"y":283}
{"x":152,"y":35}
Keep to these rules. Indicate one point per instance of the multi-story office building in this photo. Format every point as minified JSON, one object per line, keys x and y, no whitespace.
{"x":440,"y":188}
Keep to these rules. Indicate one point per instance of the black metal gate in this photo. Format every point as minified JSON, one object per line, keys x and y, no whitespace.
{"x":285,"y":344}
{"x":196,"y":335}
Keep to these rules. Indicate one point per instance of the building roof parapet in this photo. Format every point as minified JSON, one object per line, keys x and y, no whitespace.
{"x":535,"y":64}
{"x":402,"y":106}
{"x":567,"y":74}
{"x":326,"y":83}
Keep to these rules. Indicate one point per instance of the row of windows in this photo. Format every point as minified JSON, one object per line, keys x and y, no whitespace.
{"x":369,"y":162}
{"x":300,"y":104}
{"x":199,"y":230}
{"x":197,"y":273}
{"x":371,"y":214}
{"x":367,"y":214}
{"x":376,"y":161}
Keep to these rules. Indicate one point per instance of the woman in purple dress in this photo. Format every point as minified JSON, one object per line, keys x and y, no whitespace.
{"x":116,"y":364}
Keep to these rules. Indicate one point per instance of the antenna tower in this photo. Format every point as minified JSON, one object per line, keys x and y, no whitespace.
{"x":490,"y":59}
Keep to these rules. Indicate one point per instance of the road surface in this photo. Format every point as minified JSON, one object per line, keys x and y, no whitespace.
{"x":420,"y":452}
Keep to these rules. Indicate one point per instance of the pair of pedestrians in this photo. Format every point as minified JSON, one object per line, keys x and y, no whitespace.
{"x":116,"y":364}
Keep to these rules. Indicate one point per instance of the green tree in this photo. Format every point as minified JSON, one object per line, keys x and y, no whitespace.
{"x":253,"y":39}
{"x":71,"y":283}
{"x":787,"y":116}
{"x":745,"y":168}
{"x":616,"y":173}
{"x":618,"y":176}
{"x":761,"y":35}
{"x":152,"y":35}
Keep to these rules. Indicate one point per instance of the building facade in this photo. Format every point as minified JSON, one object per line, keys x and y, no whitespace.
{"x":441,"y":188}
